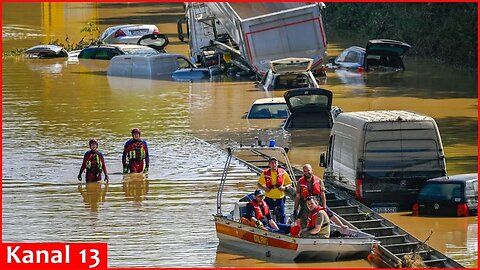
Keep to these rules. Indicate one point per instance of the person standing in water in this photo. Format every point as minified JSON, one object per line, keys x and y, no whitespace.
{"x":94,"y":162}
{"x":135,"y":152}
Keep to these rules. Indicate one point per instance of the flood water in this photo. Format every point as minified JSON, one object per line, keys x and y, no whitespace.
{"x":51,"y":108}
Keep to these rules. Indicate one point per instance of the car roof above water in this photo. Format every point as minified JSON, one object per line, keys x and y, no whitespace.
{"x":272,"y":100}
{"x":456,"y":178}
{"x":385,"y":116}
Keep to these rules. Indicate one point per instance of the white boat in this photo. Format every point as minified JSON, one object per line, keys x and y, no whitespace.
{"x":343,"y":243}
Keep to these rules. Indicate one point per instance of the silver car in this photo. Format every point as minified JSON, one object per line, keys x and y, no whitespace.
{"x":129,"y":34}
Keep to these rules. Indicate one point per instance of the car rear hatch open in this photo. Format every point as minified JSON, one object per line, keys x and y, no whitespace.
{"x":309,"y":108}
{"x":291,"y":65}
{"x":385,"y":54}
{"x":155,"y":41}
{"x":386,"y":47}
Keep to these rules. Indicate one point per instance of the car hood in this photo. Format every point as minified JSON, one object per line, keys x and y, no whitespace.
{"x":291,"y":65}
{"x":308,"y":100}
{"x":386,"y":47}
{"x":155,"y":41}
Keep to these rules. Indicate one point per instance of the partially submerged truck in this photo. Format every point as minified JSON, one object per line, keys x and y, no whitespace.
{"x":253,"y":34}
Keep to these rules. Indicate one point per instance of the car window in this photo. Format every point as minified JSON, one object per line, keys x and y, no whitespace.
{"x":471,"y":189}
{"x":263,"y":111}
{"x":353,"y":57}
{"x":341,"y":57}
{"x":309,"y":103}
{"x":87,"y":54}
{"x":183,"y":63}
{"x":291,"y":81}
{"x":441,"y":191}
{"x":102,"y":55}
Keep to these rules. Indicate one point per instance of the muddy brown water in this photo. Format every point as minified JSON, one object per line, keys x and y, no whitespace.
{"x":50,"y":108}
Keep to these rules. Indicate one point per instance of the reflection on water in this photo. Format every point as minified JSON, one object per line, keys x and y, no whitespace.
{"x":50,"y":107}
{"x":93,"y":194}
{"x":135,"y":187}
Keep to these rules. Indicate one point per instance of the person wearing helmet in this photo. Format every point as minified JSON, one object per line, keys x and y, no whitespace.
{"x":134,"y":154}
{"x":94,"y":162}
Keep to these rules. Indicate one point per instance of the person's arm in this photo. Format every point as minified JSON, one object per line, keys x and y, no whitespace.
{"x":261,"y":183}
{"x":337,"y":221}
{"x":318,"y":225}
{"x":147,"y":156}
{"x":316,"y":229}
{"x":250,"y":212}
{"x":82,"y":168}
{"x":298,"y":197}
{"x":124,"y":154}
{"x":272,"y":224}
{"x":324,"y":199}
{"x":287,"y":182}
{"x":322,"y":194}
{"x":104,"y":167}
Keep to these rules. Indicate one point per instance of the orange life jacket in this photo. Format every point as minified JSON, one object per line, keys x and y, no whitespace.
{"x":259,"y":214}
{"x":304,"y":186}
{"x":268,"y":177}
{"x":312,"y":217}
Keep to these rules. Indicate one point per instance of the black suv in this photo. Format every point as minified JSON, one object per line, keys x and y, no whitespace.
{"x":448,"y":196}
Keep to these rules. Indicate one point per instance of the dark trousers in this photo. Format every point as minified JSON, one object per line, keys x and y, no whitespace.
{"x":277,"y":206}
{"x":282,"y":228}
{"x":93,"y":176}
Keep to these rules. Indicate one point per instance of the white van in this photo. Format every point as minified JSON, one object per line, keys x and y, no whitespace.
{"x":383,"y":157}
{"x":153,"y":66}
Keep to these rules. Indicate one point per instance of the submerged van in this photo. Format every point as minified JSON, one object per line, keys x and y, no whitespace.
{"x":383,"y":157}
{"x":155,"y":66}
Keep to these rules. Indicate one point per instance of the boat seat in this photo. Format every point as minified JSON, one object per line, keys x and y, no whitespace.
{"x":239,"y":210}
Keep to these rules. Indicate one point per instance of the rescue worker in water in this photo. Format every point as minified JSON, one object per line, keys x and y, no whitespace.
{"x":94,"y":163}
{"x":134,"y":153}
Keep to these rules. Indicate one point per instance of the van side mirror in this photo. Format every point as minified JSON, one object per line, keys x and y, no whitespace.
{"x":331,"y":60}
{"x":323,"y":162}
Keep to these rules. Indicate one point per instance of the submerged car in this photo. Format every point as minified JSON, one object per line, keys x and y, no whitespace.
{"x":380,"y":54}
{"x":107,"y":52}
{"x":129,"y":34}
{"x":148,"y":44}
{"x":289,"y":73}
{"x":46,"y":51}
{"x":268,"y":108}
{"x":448,"y":196}
{"x":153,"y":66}
{"x":310,"y":108}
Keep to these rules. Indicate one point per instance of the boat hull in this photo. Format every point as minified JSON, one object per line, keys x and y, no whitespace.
{"x":235,"y":235}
